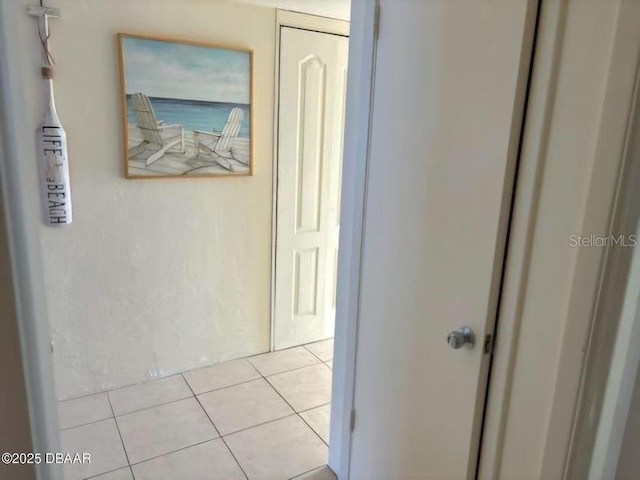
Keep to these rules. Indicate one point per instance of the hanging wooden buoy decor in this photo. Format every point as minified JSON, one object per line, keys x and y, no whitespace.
{"x":51,"y":140}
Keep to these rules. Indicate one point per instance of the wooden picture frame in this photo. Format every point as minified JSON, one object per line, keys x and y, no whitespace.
{"x":184,"y":108}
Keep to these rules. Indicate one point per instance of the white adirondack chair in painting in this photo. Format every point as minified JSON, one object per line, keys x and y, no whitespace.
{"x":219,"y":143}
{"x":156,"y":132}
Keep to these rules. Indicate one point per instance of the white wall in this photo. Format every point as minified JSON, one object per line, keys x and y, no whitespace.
{"x":340,"y":9}
{"x":156,"y":276}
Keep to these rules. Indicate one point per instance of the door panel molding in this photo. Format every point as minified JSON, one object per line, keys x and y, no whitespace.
{"x":312,"y":85}
{"x":305,"y":265}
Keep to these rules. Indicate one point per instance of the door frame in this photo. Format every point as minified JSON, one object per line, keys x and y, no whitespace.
{"x":303,"y":21}
{"x":360,"y":45}
{"x":606,"y":392}
{"x":512,"y":408}
{"x":607,"y":315}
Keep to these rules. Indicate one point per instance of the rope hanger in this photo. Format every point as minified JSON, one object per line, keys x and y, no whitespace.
{"x":44,"y":14}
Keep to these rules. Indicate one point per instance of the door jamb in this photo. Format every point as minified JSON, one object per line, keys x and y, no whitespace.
{"x":606,"y":392}
{"x":303,"y":21}
{"x":362,"y":42}
{"x":360,"y":85}
{"x":521,"y":235}
{"x":596,"y":213}
{"x":600,"y":349}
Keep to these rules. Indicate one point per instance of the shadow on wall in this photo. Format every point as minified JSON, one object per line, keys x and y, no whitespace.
{"x":14,"y":414}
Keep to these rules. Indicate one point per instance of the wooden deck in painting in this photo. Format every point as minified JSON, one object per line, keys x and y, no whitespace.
{"x":178,"y":164}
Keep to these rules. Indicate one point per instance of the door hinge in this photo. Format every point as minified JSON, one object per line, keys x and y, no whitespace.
{"x":376,"y":22}
{"x":352,"y":420}
{"x":488,"y":344}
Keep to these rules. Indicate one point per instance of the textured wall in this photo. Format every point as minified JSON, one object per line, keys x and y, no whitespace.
{"x":340,"y":9}
{"x":156,"y":276}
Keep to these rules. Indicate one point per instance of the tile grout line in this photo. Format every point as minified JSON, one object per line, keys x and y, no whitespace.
{"x":294,"y":410}
{"x":290,"y":406}
{"x":291,"y":369}
{"x":216,"y":428}
{"x":305,"y":347}
{"x":106,"y":392}
{"x":313,"y":408}
{"x":173,"y":451}
{"x":309,"y":471}
{"x":224,"y":388}
{"x":234,"y":457}
{"x":86,"y":424}
{"x":222,"y":437}
{"x":153,"y":406}
{"x":324,"y":362}
{"x":285,"y":349}
{"x":280,"y":395}
{"x":312,"y":429}
{"x":114,"y":416}
{"x":253,"y":366}
{"x":115,"y":420}
{"x":128,"y":413}
{"x":259,"y":424}
{"x":137,"y":384}
{"x":107,"y":473}
{"x":296,"y":413}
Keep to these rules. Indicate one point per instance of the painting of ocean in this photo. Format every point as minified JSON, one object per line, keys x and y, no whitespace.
{"x":193,"y":114}
{"x":186,"y":108}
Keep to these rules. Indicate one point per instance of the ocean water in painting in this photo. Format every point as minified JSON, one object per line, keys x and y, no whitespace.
{"x":193,"y":115}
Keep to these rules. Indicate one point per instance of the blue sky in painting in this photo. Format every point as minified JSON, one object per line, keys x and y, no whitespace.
{"x":174,"y":70}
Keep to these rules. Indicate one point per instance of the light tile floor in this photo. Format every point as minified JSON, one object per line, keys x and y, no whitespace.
{"x":261,"y":418}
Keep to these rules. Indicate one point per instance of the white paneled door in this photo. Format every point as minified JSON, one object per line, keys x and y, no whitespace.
{"x":313,"y":72}
{"x":450,"y":83}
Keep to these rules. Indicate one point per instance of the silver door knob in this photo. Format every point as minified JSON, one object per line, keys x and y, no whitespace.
{"x":462,"y":336}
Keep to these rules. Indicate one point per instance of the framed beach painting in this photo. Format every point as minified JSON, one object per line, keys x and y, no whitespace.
{"x":186,"y":108}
